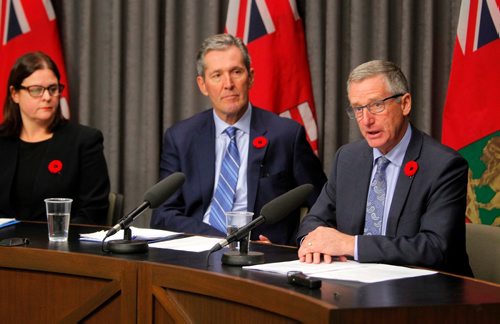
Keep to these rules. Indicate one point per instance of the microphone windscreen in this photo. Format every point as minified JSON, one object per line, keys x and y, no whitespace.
{"x":281,"y":206}
{"x":161,"y":191}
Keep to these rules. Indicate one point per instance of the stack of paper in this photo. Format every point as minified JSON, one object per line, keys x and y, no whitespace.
{"x":147,"y":234}
{"x":158,"y":239}
{"x":350,"y":270}
{"x":4,"y":222}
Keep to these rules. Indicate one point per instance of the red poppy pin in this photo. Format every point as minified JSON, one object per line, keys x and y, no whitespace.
{"x":259,"y":142}
{"x":411,"y":168}
{"x":55,"y":166}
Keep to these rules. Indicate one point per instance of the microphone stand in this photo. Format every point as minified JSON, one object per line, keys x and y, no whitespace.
{"x":274,"y":210}
{"x":242,"y":257}
{"x":127,"y":245}
{"x":152,"y":198}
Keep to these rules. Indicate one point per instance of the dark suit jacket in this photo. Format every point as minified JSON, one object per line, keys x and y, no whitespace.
{"x":426,"y":223}
{"x":84,"y":175}
{"x":284,"y":163}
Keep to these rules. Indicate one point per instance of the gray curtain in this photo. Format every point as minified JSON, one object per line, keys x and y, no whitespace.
{"x":131,"y":68}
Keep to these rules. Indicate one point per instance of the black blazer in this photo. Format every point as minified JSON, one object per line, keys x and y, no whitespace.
{"x":284,"y":163}
{"x":83,"y":177}
{"x":426,"y":224}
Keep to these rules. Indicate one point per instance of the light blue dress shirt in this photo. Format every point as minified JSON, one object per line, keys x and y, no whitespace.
{"x":221,"y":144}
{"x":395,"y":156}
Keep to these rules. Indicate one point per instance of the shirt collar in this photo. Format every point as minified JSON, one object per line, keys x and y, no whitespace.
{"x":397,"y":154}
{"x":243,"y":124}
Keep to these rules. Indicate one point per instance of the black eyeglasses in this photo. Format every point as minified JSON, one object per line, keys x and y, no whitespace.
{"x":14,"y":241}
{"x":375,"y":107}
{"x":36,"y":91}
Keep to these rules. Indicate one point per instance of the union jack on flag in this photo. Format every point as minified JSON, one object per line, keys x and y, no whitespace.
{"x":26,"y":26}
{"x":274,"y":35}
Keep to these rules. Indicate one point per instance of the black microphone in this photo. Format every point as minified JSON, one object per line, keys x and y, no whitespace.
{"x":153,"y":198}
{"x":271,"y":213}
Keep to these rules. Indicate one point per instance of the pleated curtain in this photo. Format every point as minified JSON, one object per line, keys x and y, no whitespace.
{"x":131,"y":68}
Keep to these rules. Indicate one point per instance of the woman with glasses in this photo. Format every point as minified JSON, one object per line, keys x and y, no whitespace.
{"x":42,"y":154}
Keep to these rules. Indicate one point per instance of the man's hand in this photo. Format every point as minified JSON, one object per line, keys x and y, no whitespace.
{"x":264,"y":239}
{"x":328,"y":243}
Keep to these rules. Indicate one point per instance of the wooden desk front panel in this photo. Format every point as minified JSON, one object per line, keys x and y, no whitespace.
{"x":43,"y":286}
{"x":174,"y":294}
{"x":169,"y":294}
{"x":77,"y":282}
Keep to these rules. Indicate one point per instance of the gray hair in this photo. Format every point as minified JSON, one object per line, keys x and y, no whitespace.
{"x":220,"y":42}
{"x":396,"y":80}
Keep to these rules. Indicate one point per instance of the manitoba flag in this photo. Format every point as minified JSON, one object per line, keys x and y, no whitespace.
{"x":274,"y":35}
{"x":26,"y":26}
{"x":471,"y":120}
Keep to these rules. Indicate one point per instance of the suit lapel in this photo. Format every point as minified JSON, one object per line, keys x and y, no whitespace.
{"x":364,"y":171}
{"x":8,"y":163}
{"x":404,"y":183}
{"x":255,"y":157}
{"x":203,"y":150}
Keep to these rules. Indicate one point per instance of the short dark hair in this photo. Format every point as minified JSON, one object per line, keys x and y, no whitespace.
{"x":25,"y":66}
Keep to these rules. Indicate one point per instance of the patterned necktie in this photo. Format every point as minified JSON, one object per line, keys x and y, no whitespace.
{"x":223,"y":198}
{"x":376,"y":199}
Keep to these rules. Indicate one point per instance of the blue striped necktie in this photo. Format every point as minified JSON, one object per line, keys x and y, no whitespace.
{"x":224,"y":196}
{"x":376,"y":199}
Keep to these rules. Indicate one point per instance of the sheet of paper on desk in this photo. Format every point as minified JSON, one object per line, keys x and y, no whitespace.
{"x":137,"y":234}
{"x":350,"y":270}
{"x":191,"y":244}
{"x":4,"y":222}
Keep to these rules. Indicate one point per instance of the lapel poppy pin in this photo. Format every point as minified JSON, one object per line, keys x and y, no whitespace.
{"x":259,"y":142}
{"x":55,"y":166}
{"x":411,"y":168}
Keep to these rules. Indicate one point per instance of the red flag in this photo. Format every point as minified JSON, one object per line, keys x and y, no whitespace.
{"x":274,"y":35}
{"x":26,"y":26}
{"x":471,"y":119}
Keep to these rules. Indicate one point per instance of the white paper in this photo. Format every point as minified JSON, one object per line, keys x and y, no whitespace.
{"x":7,"y":222}
{"x":350,"y":270}
{"x":306,"y":268}
{"x":191,"y":244}
{"x":376,"y":273}
{"x":137,"y":234}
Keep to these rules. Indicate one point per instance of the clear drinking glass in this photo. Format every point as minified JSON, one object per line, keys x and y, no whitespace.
{"x":236,"y":220}
{"x":58,"y":214}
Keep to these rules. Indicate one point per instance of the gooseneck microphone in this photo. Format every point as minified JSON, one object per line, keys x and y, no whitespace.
{"x":153,"y":198}
{"x":271,"y":213}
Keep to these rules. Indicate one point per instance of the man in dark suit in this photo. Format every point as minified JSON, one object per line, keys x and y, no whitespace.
{"x":273,"y":155}
{"x":396,"y":197}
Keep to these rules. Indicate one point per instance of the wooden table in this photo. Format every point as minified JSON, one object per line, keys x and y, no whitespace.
{"x":75,"y":281}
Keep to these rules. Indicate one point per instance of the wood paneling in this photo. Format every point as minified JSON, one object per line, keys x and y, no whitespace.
{"x":42,"y":286}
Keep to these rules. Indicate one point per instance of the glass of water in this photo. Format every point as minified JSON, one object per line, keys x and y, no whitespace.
{"x":58,"y":214}
{"x":235,"y":220}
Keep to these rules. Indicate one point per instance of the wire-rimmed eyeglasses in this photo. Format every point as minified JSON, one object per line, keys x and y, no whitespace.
{"x":36,"y":91}
{"x":375,"y":107}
